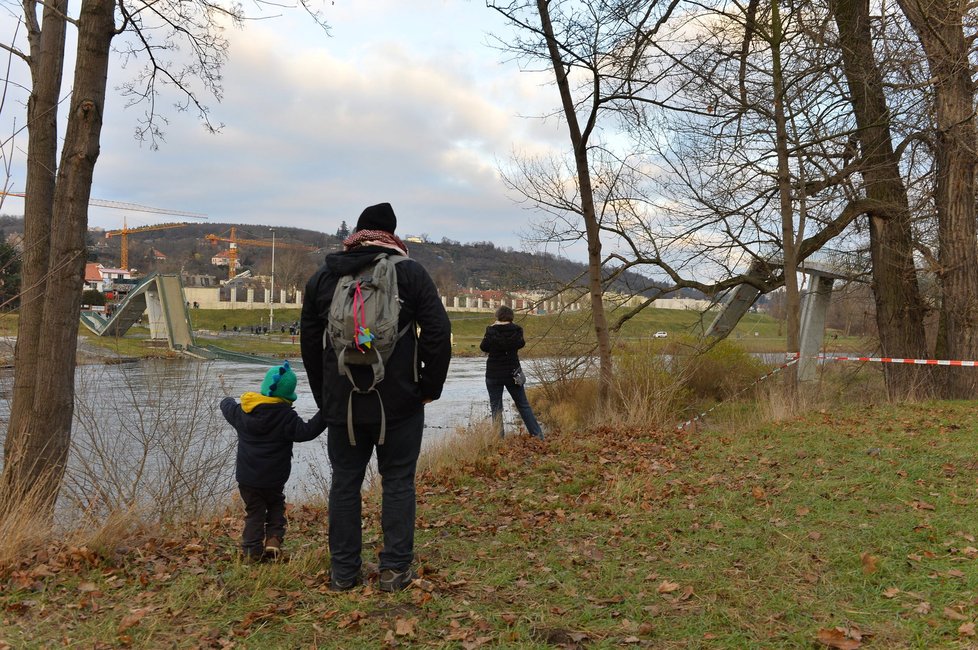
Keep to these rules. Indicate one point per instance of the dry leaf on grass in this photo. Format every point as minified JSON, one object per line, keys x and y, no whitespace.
{"x":131,"y":619}
{"x":967,"y":629}
{"x":837,"y":638}
{"x":869,"y":563}
{"x":891,"y":592}
{"x":666,"y":587}
{"x":405,"y":626}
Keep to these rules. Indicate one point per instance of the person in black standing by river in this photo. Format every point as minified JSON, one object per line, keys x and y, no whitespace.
{"x":389,"y":419}
{"x":502,"y":341}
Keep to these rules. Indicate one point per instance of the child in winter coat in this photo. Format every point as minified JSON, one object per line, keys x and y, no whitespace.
{"x":267,"y":426}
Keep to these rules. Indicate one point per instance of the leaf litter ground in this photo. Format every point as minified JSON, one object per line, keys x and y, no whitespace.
{"x":847,"y":529}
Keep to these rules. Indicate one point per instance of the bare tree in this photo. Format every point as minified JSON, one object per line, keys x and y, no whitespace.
{"x":56,"y":207}
{"x":940,"y":27}
{"x":292,"y":269}
{"x":592,"y":49}
{"x":900,"y":309}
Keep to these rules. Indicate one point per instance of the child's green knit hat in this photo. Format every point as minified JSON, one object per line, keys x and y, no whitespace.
{"x":280,"y":381}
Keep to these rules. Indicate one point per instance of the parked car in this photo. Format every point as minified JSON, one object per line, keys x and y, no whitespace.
{"x":660,"y":335}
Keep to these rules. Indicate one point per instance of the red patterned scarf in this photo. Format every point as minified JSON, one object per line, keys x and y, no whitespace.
{"x":374,"y":238}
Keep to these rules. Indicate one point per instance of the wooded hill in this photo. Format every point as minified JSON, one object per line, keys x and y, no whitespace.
{"x":452,"y":264}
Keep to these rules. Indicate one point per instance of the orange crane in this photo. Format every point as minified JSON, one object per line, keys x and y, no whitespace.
{"x":233,"y":242}
{"x":133,"y":207}
{"x":124,"y":233}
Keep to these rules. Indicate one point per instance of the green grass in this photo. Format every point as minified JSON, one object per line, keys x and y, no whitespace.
{"x":572,"y":332}
{"x":861,"y":518}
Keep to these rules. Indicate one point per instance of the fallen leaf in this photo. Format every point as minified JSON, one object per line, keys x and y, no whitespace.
{"x":837,"y":638}
{"x":757,"y":492}
{"x":131,"y":619}
{"x":41,"y":571}
{"x":954,"y":614}
{"x":87,"y":587}
{"x":869,"y":563}
{"x":967,"y":629}
{"x":666,"y":587}
{"x":891,"y":592}
{"x":917,"y":504}
{"x":405,"y":626}
{"x":802,"y":511}
{"x":922,"y":608}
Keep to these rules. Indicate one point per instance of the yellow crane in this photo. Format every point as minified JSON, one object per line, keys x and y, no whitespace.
{"x":132,"y":207}
{"x":233,"y":242}
{"x":124,"y":234}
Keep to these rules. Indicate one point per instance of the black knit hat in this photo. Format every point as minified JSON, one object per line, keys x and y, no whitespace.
{"x":378,"y":217}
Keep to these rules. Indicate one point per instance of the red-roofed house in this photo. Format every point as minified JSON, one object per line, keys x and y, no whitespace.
{"x":99,"y":277}
{"x":224,"y":259}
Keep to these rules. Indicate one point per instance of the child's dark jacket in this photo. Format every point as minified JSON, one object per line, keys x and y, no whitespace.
{"x":267,"y":427}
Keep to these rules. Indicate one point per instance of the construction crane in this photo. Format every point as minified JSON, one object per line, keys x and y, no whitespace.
{"x":233,"y":242}
{"x":124,"y":234}
{"x":132,"y":207}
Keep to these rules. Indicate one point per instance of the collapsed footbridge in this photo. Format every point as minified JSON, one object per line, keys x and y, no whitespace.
{"x":160,"y":295}
{"x":822,"y":274}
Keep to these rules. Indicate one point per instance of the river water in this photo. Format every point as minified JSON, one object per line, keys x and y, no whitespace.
{"x":151,"y":431}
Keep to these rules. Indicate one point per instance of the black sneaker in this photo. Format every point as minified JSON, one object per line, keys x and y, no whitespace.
{"x":391,"y":580}
{"x":337,"y":584}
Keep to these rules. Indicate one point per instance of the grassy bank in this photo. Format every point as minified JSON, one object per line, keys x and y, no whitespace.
{"x":551,"y":334}
{"x":854,"y":526}
{"x":546,"y":335}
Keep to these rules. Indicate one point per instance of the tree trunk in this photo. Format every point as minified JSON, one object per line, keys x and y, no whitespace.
{"x":789,"y":239}
{"x":25,"y":451}
{"x":899,"y":309}
{"x":592,"y":230}
{"x":939,"y":26}
{"x":45,"y":432}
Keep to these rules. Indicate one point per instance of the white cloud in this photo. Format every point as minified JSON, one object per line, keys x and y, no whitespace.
{"x":403,"y":103}
{"x":317,"y":128}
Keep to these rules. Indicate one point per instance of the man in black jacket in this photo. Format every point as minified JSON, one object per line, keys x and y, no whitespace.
{"x":414,"y":375}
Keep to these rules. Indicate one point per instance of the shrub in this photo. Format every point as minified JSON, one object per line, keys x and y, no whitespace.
{"x":654,"y":383}
{"x":719,"y":373}
{"x":93,"y":297}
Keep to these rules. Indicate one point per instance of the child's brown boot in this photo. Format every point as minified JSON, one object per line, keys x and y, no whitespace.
{"x":273,"y":549}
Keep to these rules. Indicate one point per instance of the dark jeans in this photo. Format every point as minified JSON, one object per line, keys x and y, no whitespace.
{"x":518,"y":394}
{"x":264,"y":517}
{"x":397,"y":460}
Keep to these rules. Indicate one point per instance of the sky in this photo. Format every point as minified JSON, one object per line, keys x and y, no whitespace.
{"x":405,"y":101}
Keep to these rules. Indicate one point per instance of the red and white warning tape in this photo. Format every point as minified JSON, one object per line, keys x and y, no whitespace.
{"x":794,"y":357}
{"x":917,"y":362}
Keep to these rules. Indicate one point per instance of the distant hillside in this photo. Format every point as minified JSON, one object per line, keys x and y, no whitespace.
{"x":453,"y":265}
